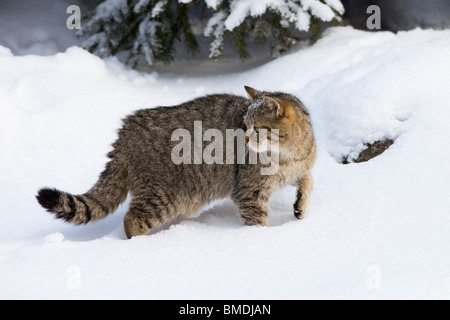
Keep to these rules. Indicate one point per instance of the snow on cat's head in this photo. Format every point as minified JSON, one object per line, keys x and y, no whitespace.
{"x":275,"y":122}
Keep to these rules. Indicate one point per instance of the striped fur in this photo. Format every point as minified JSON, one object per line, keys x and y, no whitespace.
{"x":97,"y":203}
{"x":140,"y":164}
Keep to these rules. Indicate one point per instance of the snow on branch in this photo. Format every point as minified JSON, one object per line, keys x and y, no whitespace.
{"x":293,"y":11}
{"x":149,"y":28}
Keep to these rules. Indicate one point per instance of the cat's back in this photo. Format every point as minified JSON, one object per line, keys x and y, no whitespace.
{"x":155,"y":126}
{"x":214,"y":111}
{"x":148,"y":139}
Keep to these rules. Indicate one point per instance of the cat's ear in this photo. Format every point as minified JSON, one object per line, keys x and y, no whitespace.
{"x":252,"y":93}
{"x":273,"y":106}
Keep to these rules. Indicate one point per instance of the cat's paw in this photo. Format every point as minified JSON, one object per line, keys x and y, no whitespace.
{"x":299,"y":214}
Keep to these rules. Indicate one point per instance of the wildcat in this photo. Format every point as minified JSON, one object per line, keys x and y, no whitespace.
{"x":140,"y":163}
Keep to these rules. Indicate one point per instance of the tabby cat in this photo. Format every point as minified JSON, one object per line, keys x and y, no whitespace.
{"x":141,"y":163}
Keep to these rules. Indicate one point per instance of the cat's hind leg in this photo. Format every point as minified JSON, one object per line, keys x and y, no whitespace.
{"x":145,"y":214}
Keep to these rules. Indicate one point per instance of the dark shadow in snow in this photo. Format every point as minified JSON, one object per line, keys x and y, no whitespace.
{"x":224,"y":215}
{"x":372,"y":150}
{"x":111,"y":226}
{"x":280,"y":215}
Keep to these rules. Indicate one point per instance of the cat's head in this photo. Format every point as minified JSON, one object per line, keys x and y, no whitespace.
{"x":274,"y":121}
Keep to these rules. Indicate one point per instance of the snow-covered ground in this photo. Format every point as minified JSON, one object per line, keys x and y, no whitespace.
{"x":379,"y":229}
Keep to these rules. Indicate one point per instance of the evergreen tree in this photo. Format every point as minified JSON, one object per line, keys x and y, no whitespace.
{"x":150,"y":28}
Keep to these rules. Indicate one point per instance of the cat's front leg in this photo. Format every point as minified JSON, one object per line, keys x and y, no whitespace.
{"x":303,"y":195}
{"x":253,"y":207}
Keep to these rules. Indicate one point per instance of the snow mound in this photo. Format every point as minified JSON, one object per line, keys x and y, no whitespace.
{"x":54,"y":237}
{"x":378,"y":229}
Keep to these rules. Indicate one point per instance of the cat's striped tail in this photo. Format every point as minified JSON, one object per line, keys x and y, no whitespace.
{"x":102,"y":199}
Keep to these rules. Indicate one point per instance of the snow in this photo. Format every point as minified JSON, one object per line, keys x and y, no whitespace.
{"x":215,"y":27}
{"x":112,"y":8}
{"x":213,"y":4}
{"x":303,"y":20}
{"x":375,"y":230}
{"x":336,"y":5}
{"x":318,"y":9}
{"x":290,"y":10}
{"x":158,"y":9}
{"x":141,"y":4}
{"x":257,"y":103}
{"x":105,"y":11}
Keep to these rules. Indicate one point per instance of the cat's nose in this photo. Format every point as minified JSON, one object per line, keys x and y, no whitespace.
{"x":247,"y":139}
